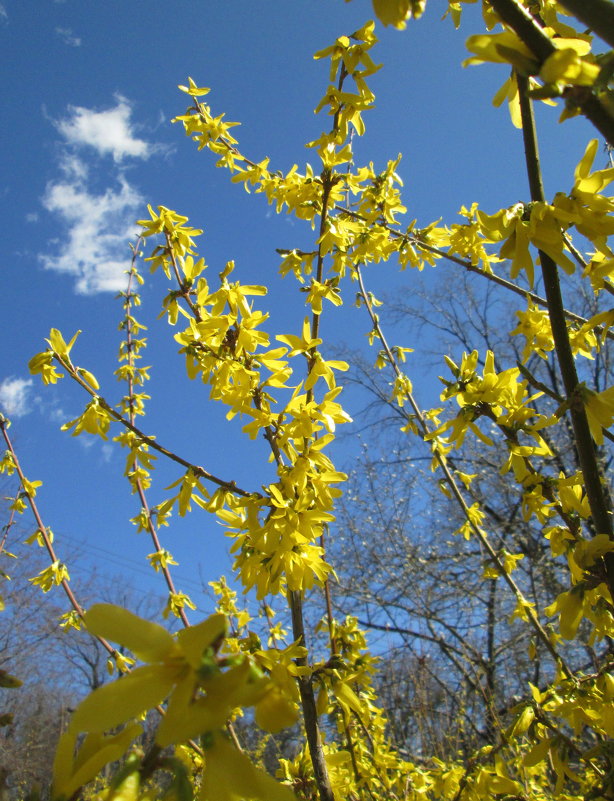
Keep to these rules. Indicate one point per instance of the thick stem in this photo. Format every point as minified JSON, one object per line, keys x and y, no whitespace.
{"x":305,"y":684}
{"x":596,"y":492}
{"x":598,"y":15}
{"x":525,"y":26}
{"x":308,"y":702}
{"x":492,"y":721}
{"x":518,"y":18}
{"x":310,"y":713}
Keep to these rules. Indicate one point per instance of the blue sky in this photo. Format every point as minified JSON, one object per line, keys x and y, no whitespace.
{"x":89,"y":90}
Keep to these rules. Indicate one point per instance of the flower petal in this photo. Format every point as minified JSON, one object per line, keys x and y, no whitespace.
{"x":230,"y":775}
{"x":195,"y":639}
{"x":129,"y":696}
{"x":147,"y":641}
{"x":94,"y":754}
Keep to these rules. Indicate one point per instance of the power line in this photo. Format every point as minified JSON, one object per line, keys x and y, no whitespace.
{"x":129,"y":563}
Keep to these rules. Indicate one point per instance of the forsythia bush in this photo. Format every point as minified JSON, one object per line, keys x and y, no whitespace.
{"x":558,"y":740}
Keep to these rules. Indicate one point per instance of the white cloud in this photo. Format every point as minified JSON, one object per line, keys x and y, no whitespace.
{"x":108,"y":132}
{"x":100,"y":226}
{"x":97,"y":224}
{"x":14,"y":392}
{"x":66,"y":35}
{"x":58,"y":415}
{"x":3,"y":13}
{"x":107,"y":452}
{"x":73,"y":167}
{"x":32,"y":217}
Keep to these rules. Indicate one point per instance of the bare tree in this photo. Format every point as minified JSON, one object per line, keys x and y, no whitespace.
{"x":455,"y":659}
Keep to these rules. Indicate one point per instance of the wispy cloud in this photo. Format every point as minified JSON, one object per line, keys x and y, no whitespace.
{"x":107,"y":452}
{"x":98,"y":225}
{"x":3,"y":13}
{"x":57,"y":415}
{"x":14,"y":396}
{"x":109,"y":132}
{"x":67,"y":36}
{"x":95,"y":249}
{"x":103,"y":450}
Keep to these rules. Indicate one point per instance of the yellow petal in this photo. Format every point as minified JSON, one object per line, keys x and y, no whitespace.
{"x":229,"y":775}
{"x":586,"y":162}
{"x":147,"y":641}
{"x":275,"y":711}
{"x":94,"y":754}
{"x":186,"y":720}
{"x":129,"y":696}
{"x":392,"y":12}
{"x":195,"y":639}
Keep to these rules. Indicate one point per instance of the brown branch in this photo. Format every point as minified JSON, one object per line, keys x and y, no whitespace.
{"x":231,"y":486}
{"x":456,"y":491}
{"x":44,"y":532}
{"x":517,"y":17}
{"x":598,"y":15}
{"x":472,"y":268}
{"x":153,"y":533}
{"x":597,"y":494}
{"x":308,"y":703}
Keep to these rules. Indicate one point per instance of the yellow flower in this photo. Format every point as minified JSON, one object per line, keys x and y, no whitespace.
{"x":176,"y":668}
{"x":599,"y":411}
{"x":393,"y":12}
{"x":302,"y":344}
{"x":566,"y":65}
{"x":183,"y":670}
{"x":230,"y":776}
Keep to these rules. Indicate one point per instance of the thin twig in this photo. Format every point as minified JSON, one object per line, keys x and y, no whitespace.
{"x":472,"y":268}
{"x":456,"y":491}
{"x":231,"y":486}
{"x":44,"y":533}
{"x":153,"y":533}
